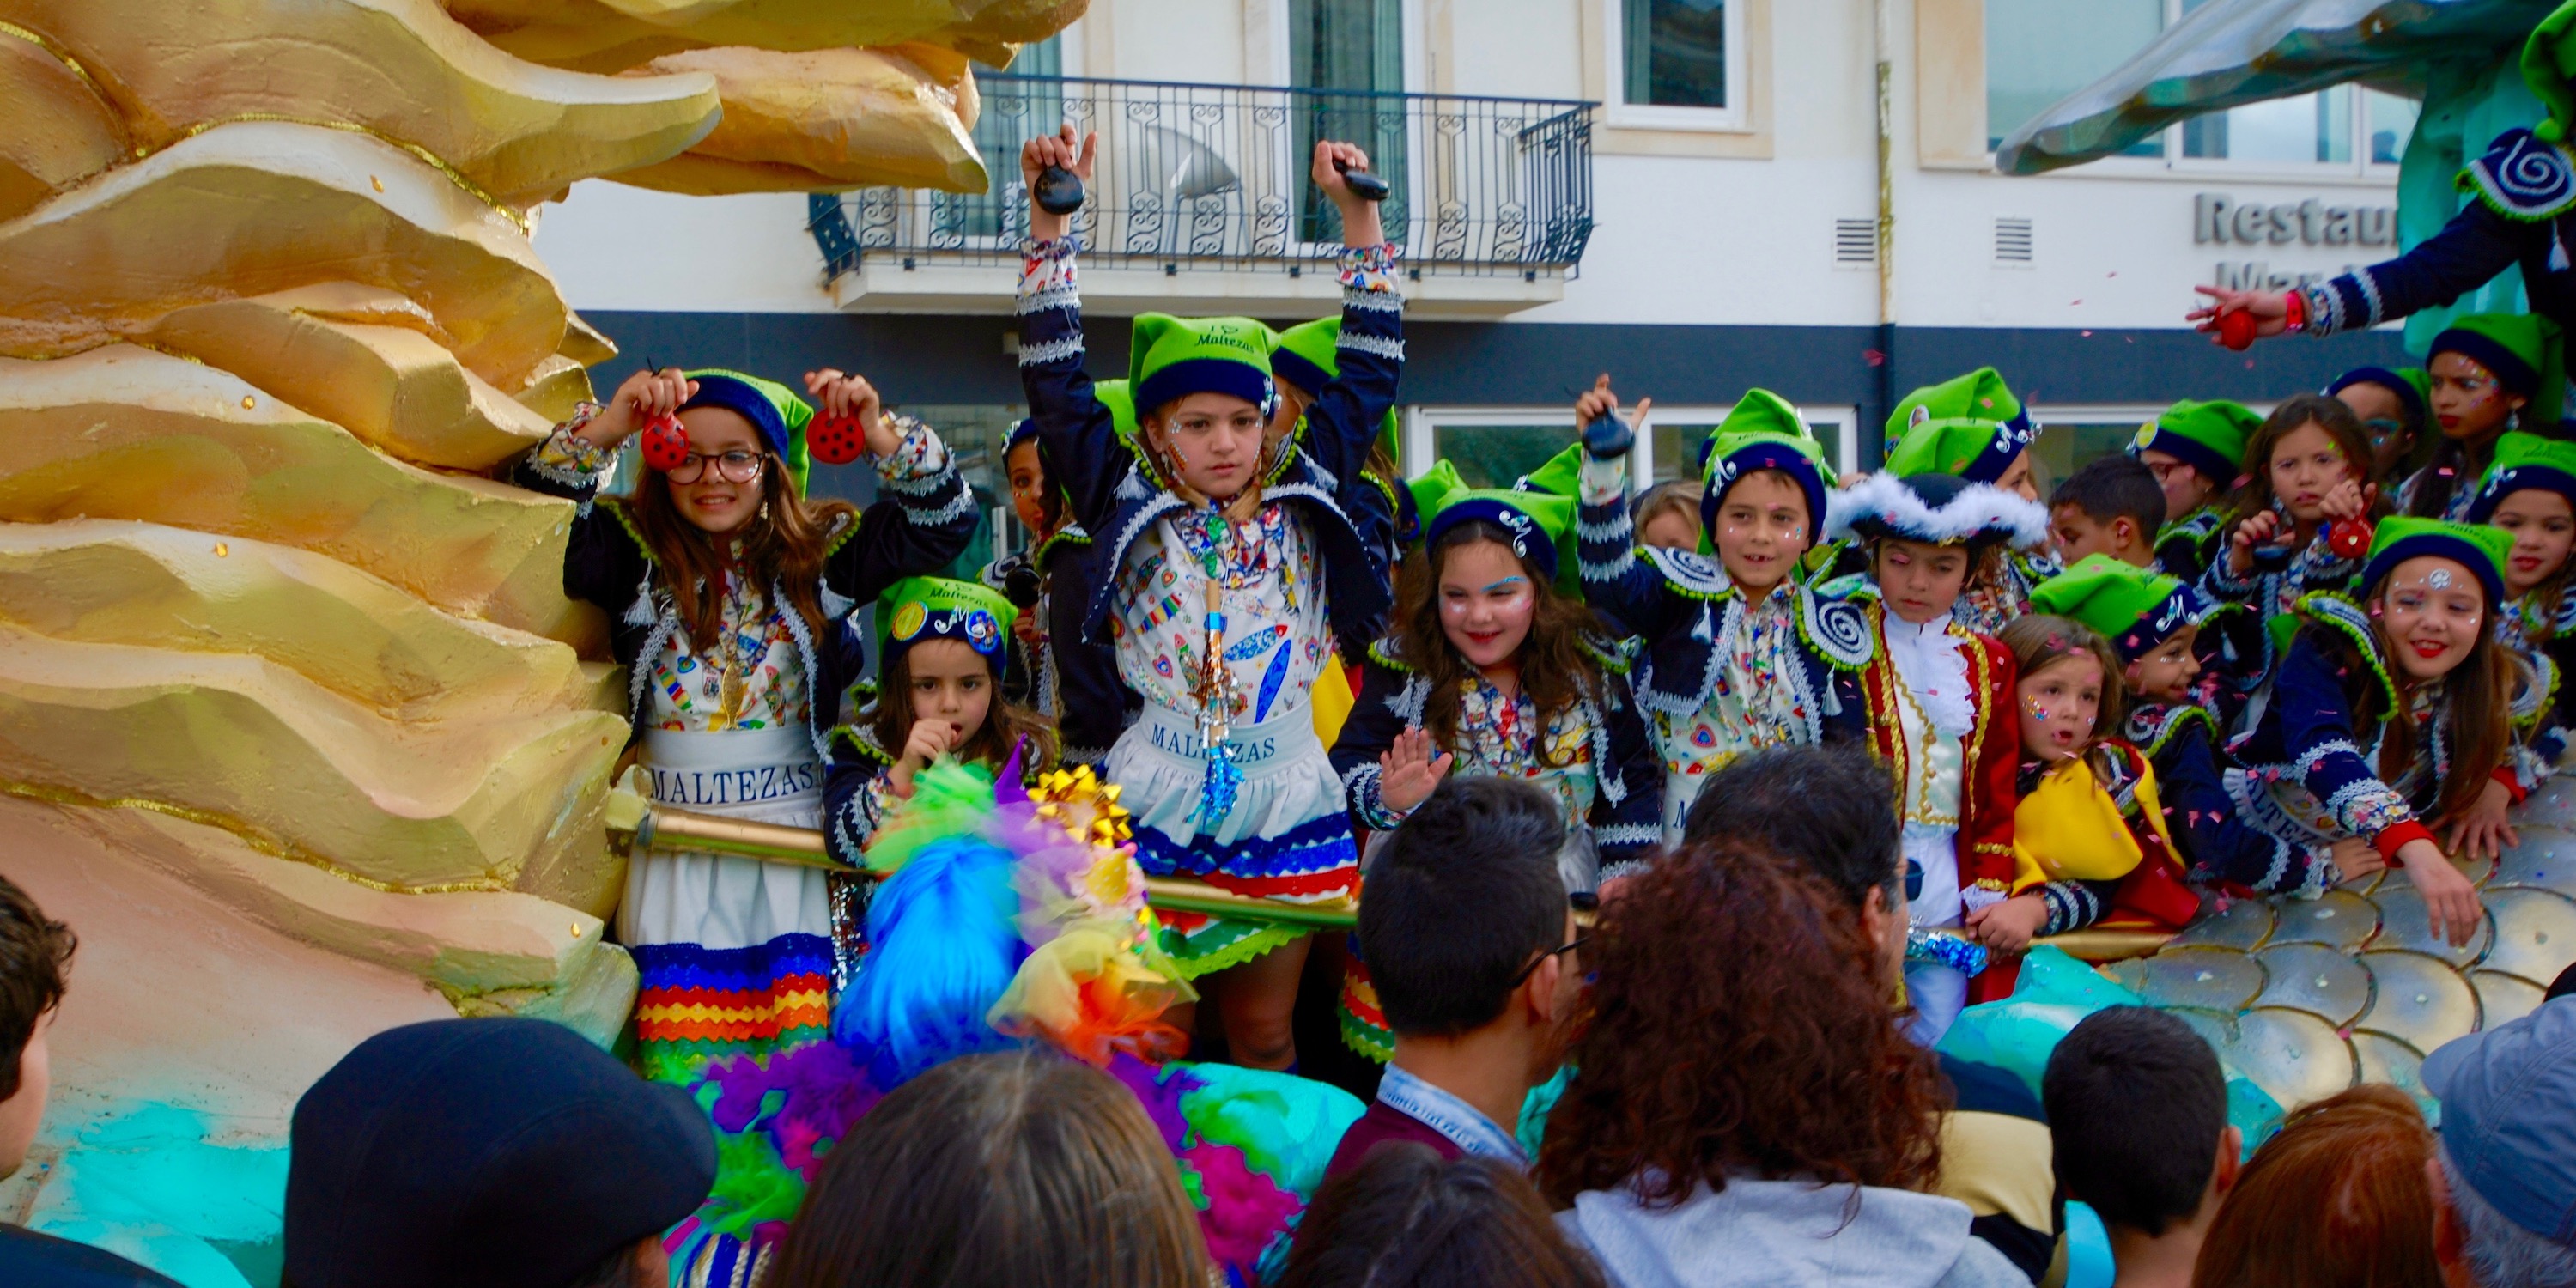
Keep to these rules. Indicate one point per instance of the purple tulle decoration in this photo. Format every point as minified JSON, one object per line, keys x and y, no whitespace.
{"x":1159,"y":1091}
{"x":823,"y":1092}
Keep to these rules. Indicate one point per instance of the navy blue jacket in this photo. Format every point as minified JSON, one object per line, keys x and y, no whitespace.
{"x":1074,"y":680}
{"x":2217,"y":844}
{"x":1628,"y":802}
{"x":607,"y":563}
{"x":2518,"y":174}
{"x":1117,"y":499}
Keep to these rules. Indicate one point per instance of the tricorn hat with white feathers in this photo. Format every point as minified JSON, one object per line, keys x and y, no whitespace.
{"x":1942,"y":509}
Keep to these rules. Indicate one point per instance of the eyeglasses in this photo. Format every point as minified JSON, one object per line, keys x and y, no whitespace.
{"x":1558,"y":951}
{"x":733,"y":467}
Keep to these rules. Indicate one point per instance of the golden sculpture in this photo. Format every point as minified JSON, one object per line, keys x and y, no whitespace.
{"x":296,"y":725}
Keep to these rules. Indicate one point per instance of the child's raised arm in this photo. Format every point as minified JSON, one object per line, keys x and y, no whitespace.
{"x":932,"y":515}
{"x":1632,"y":592}
{"x":1343,"y":424}
{"x":1078,"y":431}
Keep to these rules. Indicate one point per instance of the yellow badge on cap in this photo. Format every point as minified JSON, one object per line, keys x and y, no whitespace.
{"x":909,"y":619}
{"x":2146,"y":436}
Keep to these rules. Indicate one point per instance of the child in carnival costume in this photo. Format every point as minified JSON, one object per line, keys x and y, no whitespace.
{"x":1224,"y":581}
{"x":2197,"y":450}
{"x":2530,"y":495}
{"x":1939,"y":698}
{"x":2394,"y":714}
{"x":2090,"y":842}
{"x":2490,"y":374}
{"x":1972,"y":427}
{"x":1494,"y":666}
{"x":1739,"y":654}
{"x":2396,"y":408}
{"x":943,"y":665}
{"x":1008,"y":917}
{"x":2302,"y":524}
{"x":2153,"y":623}
{"x":729,"y":596}
{"x":1055,"y":671}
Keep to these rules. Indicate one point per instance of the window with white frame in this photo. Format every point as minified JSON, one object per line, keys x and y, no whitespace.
{"x":1676,"y":64}
{"x":1494,"y":446}
{"x":2040,"y":51}
{"x":2071,"y":435}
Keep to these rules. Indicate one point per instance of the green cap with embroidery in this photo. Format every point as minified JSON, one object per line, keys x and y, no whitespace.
{"x":926,"y":608}
{"x":2480,"y":549}
{"x":2524,"y":352}
{"x":2525,"y":463}
{"x":1170,"y":358}
{"x":773,"y":409}
{"x":1761,"y":432}
{"x":1541,"y":523}
{"x":1114,"y":395}
{"x":2208,"y":436}
{"x":2548,"y":62}
{"x":2132,"y":607}
{"x":1971,"y":426}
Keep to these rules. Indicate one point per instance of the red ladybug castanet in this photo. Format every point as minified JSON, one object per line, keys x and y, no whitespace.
{"x":665,"y":444}
{"x":836,"y":440}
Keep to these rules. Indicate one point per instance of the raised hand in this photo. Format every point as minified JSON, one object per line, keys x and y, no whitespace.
{"x":2269,"y":309}
{"x":1063,"y":150}
{"x":1598,"y":402}
{"x":640,"y":400}
{"x":1408,"y":771}
{"x":1360,"y":224}
{"x":840,"y":395}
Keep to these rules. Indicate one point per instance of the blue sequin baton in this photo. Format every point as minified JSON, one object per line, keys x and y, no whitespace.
{"x":1922,"y":945}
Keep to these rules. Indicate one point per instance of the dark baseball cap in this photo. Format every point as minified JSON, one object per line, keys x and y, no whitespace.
{"x":2509,"y":1116}
{"x":502,"y":1153}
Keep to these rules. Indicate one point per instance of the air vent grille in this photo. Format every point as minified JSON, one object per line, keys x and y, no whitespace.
{"x":1855,"y":243}
{"x":2013,"y":240}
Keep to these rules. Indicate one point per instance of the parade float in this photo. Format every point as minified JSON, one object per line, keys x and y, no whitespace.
{"x":297,"y":728}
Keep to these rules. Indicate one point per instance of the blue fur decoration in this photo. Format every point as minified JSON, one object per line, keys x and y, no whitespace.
{"x":943,"y":945}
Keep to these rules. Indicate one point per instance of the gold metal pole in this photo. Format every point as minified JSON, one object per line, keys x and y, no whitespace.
{"x":663,"y":828}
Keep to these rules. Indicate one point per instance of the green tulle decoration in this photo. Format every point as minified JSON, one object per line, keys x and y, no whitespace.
{"x":752,"y":1187}
{"x":948,"y":799}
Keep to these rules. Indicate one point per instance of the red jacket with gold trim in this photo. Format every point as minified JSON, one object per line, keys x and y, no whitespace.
{"x":1993,"y":751}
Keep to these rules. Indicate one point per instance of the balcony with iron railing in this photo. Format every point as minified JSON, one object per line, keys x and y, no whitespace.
{"x":1201,"y":202}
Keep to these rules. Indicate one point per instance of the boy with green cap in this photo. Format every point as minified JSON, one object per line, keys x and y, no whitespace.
{"x":2491,"y":372}
{"x":1972,"y":427}
{"x":2524,"y":191}
{"x":1224,"y":579}
{"x":2197,"y":450}
{"x":2152,"y":621}
{"x":2412,"y":669}
{"x":728,"y":594}
{"x":1740,"y":654}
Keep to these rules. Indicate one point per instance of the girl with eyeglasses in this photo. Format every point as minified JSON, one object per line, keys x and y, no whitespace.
{"x":728,"y":594}
{"x":2490,"y":373}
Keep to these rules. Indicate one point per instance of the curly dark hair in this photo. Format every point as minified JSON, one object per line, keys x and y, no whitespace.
{"x":1738,"y":1025}
{"x":1556,"y":670}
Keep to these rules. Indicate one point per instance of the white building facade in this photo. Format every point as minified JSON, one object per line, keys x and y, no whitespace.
{"x":1697,"y":196}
